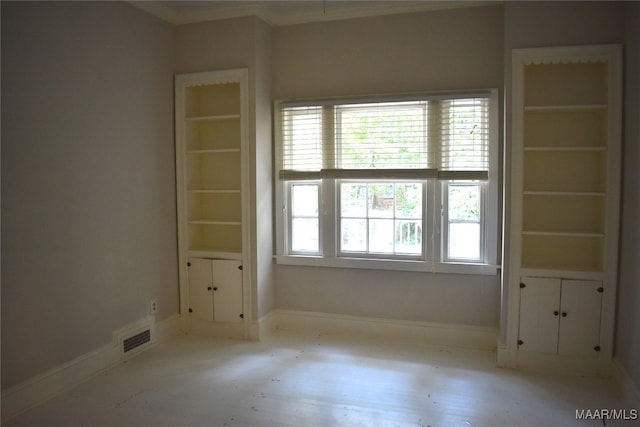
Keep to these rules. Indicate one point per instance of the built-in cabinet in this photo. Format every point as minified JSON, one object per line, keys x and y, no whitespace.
{"x":565,"y":169}
{"x":560,"y":316}
{"x":212,"y":190}
{"x":215,"y":289}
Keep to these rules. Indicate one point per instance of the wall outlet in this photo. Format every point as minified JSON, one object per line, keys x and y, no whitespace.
{"x":153,"y":306}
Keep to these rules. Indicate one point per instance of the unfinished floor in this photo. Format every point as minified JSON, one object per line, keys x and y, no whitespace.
{"x":320,"y":380}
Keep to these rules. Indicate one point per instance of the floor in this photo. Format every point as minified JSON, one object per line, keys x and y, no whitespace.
{"x":296,"y":380}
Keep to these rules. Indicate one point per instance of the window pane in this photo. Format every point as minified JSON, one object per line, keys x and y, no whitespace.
{"x":304,"y":200}
{"x":381,"y":200}
{"x":304,"y":217}
{"x":464,"y":241}
{"x":409,"y":201}
{"x":304,"y":235}
{"x":353,"y":201}
{"x":381,"y":235}
{"x":354,"y":235}
{"x":381,"y":217}
{"x":464,"y":202}
{"x":409,"y":237}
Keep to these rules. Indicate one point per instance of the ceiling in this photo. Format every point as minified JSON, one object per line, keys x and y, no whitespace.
{"x":277,"y":12}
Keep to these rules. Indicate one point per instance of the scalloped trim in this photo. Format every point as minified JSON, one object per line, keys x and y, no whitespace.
{"x":566,"y":60}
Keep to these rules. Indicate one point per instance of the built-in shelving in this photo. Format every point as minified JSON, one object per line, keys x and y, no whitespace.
{"x":564,"y":190}
{"x":209,"y":120}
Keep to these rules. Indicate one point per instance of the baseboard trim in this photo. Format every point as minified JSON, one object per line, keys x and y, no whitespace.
{"x":433,"y":333}
{"x":169,"y":328}
{"x":628,"y":391}
{"x":49,"y":384}
{"x":562,"y":365}
{"x":267,"y":324}
{"x":53,"y":382}
{"x":504,"y":357}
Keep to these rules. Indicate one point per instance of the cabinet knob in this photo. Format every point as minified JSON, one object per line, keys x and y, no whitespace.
{"x":188,"y":264}
{"x":564,"y":314}
{"x":555,"y":313}
{"x":596,"y":348}
{"x":215,"y":288}
{"x":209,"y":288}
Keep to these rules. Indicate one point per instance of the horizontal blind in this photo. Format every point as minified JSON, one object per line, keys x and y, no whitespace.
{"x":408,"y":139}
{"x":302,"y":138}
{"x":381,"y":136}
{"x":464,"y":137}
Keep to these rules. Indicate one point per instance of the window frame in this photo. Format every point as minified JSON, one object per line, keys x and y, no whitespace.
{"x":434,"y":257}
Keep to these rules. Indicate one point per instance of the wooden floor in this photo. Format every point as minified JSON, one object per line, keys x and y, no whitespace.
{"x":294,"y":380}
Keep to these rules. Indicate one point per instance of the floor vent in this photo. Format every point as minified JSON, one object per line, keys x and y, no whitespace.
{"x":136,"y":337}
{"x":136,"y":341}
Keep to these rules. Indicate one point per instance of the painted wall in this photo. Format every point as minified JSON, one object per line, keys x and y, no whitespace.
{"x":541,"y":24}
{"x":628,"y":321}
{"x":88,"y":193}
{"x":454,"y":49}
{"x":265,"y":268}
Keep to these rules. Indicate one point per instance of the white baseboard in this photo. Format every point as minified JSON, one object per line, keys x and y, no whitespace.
{"x":53,"y":382}
{"x":505,"y":357}
{"x":628,"y":391}
{"x":169,"y":328}
{"x":266,"y":325}
{"x":562,"y":365}
{"x":433,"y":333}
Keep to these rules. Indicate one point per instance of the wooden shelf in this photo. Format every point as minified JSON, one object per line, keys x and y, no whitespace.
{"x":206,"y":191}
{"x":214,"y":151}
{"x":213,"y":253}
{"x":213,"y":222}
{"x":564,"y":148}
{"x":542,"y":271}
{"x":562,"y":234}
{"x":564,"y":193}
{"x":566,"y":108}
{"x":213,"y":118}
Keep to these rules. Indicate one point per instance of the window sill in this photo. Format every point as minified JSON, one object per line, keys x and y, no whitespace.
{"x":388,"y":264}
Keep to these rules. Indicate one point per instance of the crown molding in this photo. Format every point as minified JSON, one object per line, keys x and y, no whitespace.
{"x":279,"y":13}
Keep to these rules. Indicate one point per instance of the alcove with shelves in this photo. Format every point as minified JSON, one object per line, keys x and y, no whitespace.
{"x":212,"y":186}
{"x":565,"y":182}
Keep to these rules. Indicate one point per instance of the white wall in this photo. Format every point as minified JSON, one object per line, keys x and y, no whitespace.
{"x":628,"y":321}
{"x":454,"y":49}
{"x":265,"y":276}
{"x":88,"y":193}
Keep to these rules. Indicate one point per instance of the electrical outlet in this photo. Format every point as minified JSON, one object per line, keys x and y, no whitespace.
{"x":154,"y":306}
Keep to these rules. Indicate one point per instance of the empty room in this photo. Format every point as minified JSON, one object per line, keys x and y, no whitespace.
{"x":320,"y":213}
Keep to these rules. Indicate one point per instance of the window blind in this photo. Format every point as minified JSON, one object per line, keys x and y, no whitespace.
{"x":446,"y":138}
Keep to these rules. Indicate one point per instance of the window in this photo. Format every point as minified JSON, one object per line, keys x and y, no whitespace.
{"x":403,"y":183}
{"x":379,"y":218}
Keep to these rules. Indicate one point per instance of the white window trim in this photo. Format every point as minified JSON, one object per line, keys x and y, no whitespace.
{"x":432,"y":246}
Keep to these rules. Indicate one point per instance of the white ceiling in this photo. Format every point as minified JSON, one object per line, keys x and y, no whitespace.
{"x":277,"y":12}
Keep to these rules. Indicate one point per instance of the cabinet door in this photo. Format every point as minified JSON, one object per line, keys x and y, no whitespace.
{"x":539,"y":314}
{"x":581,"y":303}
{"x":227,"y":285}
{"x":200,"y":288}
